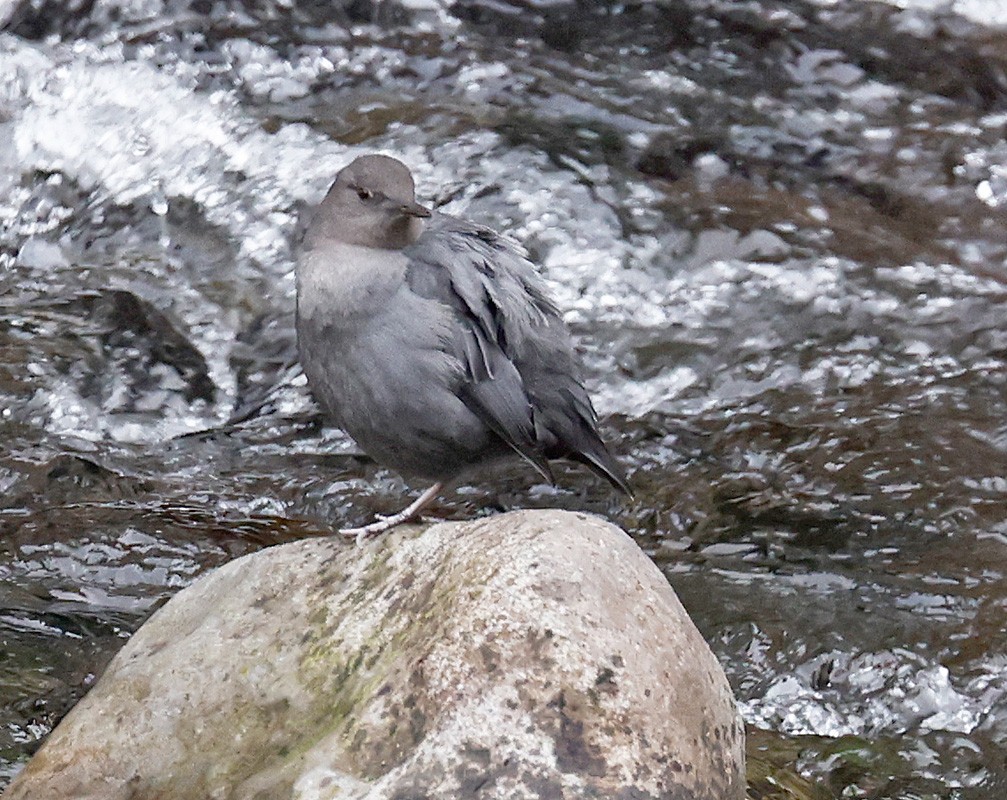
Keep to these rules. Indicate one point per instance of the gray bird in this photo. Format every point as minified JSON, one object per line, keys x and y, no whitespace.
{"x":431,"y":341}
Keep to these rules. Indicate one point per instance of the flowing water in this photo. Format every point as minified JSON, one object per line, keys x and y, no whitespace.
{"x":778,"y":230}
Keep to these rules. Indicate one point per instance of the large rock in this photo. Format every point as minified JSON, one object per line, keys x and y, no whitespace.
{"x":536,"y":654}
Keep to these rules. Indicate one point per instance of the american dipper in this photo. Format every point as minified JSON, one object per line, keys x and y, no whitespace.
{"x":431,"y":341}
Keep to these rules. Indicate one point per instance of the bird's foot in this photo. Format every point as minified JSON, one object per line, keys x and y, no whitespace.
{"x":380,"y":525}
{"x":384,"y":523}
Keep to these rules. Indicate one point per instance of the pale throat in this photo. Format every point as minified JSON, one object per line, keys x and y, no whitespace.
{"x":347,"y":281}
{"x":407,"y":231}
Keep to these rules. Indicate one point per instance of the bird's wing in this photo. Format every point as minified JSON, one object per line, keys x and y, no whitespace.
{"x":460,"y":265}
{"x":520,"y":374}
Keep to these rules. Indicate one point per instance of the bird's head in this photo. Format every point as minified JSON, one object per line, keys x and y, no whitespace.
{"x":372,"y":203}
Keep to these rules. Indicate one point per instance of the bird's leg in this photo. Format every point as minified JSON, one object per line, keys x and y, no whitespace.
{"x":385,"y":523}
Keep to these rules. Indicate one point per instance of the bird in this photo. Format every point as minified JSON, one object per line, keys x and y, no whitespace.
{"x":432,"y":341}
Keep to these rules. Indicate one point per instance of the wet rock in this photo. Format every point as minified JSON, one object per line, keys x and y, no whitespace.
{"x":531,"y":655}
{"x":133,"y":331}
{"x":673,"y":157}
{"x":36,"y":19}
{"x":512,"y":18}
{"x":568,"y":24}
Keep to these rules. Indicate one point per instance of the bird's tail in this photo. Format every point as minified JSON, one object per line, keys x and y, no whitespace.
{"x":603,"y":463}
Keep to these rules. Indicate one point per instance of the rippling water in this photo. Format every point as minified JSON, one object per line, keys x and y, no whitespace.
{"x":778,"y":230}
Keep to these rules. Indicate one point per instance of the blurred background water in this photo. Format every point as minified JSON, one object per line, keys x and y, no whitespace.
{"x":776,"y":228}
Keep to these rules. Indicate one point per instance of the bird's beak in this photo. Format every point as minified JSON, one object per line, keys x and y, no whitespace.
{"x":414,"y":210}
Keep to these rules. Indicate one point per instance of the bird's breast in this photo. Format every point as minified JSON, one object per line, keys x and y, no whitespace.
{"x":343,"y":283}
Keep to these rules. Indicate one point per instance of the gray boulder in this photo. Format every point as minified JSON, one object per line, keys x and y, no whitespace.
{"x":536,"y":654}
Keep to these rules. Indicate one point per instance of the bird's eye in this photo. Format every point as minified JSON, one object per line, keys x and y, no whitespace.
{"x":364,"y":194}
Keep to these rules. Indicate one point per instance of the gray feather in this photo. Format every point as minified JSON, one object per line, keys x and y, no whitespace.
{"x":520,"y":376}
{"x":431,"y":340}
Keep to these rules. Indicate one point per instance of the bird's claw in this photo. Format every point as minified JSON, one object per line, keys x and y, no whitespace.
{"x":361,"y":533}
{"x":384,"y":523}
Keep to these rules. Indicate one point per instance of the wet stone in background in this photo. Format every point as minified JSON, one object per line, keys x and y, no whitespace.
{"x":777,"y":229}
